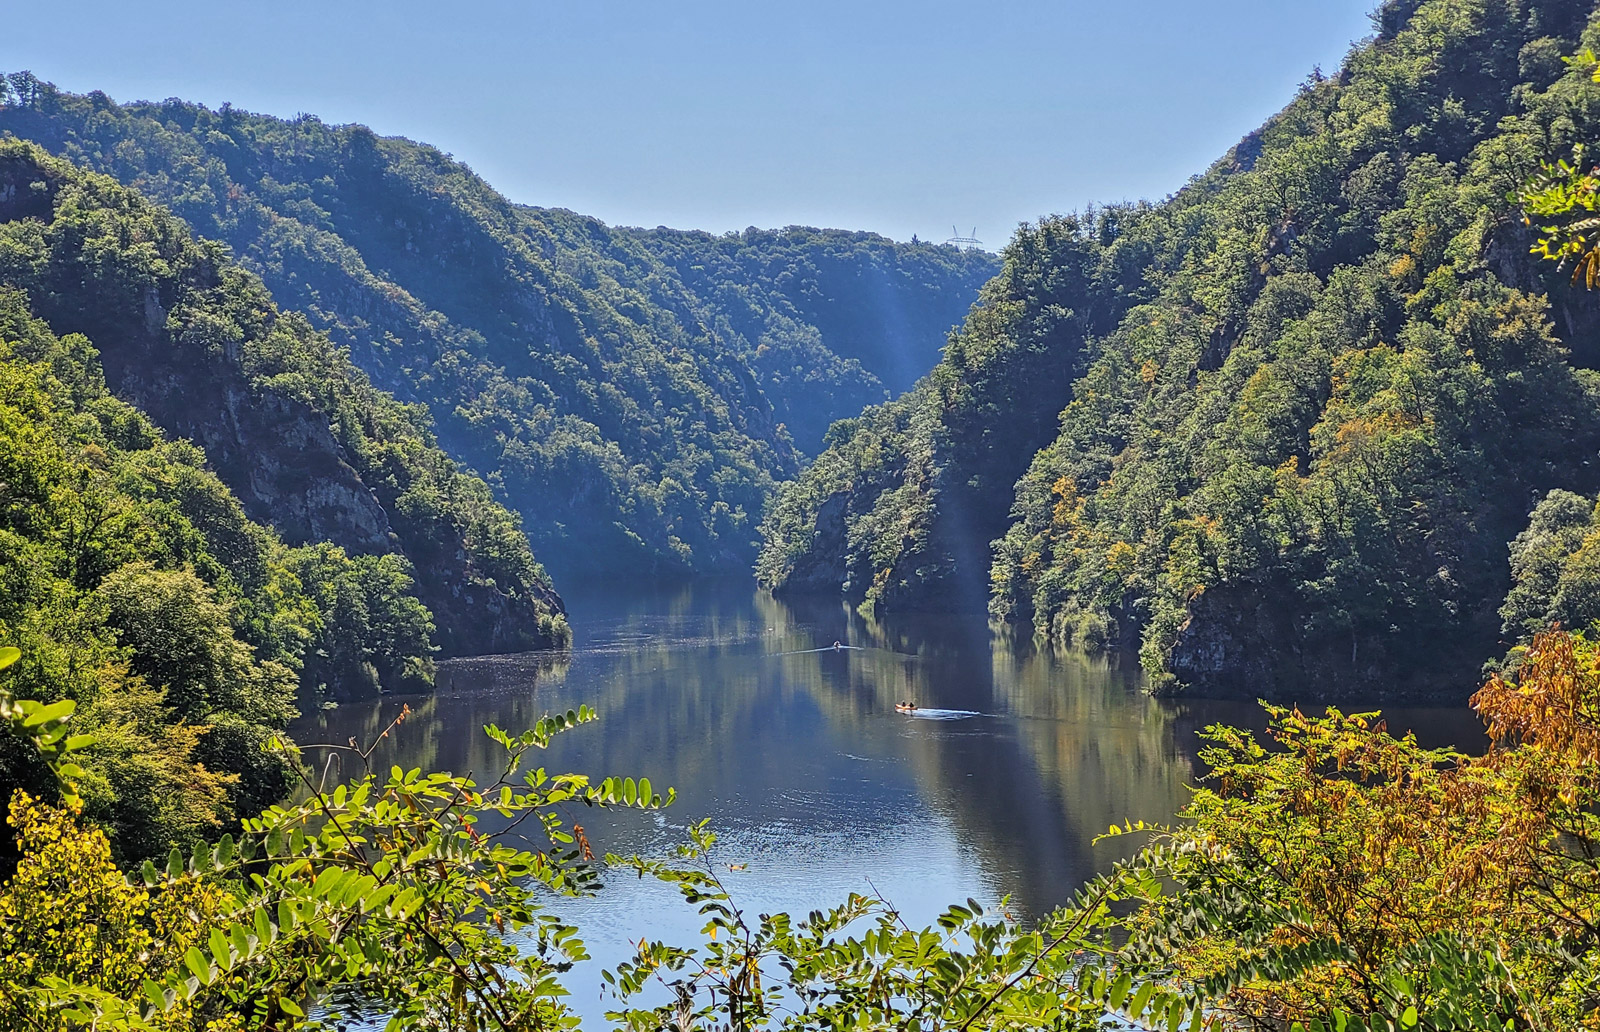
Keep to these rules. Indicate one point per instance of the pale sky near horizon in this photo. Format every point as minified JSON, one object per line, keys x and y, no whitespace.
{"x":897,"y":117}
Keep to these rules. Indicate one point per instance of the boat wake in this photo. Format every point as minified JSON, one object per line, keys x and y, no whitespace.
{"x":830,"y":648}
{"x":942,"y":714}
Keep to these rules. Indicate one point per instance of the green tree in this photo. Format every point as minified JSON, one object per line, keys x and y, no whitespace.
{"x":181,"y":641}
{"x":372,"y":631}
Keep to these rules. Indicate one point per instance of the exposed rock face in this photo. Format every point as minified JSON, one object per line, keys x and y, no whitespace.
{"x":1254,"y":641}
{"x":1574,"y":310}
{"x":482,"y":620}
{"x":281,"y":458}
{"x":278,"y":455}
{"x":822,"y":567}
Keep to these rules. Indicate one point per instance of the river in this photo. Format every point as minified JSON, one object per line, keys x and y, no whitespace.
{"x":996,"y":787}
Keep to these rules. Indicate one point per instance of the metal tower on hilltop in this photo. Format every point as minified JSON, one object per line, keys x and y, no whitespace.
{"x":965,"y":241}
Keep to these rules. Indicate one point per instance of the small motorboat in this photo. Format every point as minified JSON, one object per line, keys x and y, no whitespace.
{"x":905,"y":707}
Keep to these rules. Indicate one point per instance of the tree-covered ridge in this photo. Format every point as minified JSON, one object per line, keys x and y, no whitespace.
{"x":143,"y":593}
{"x":829,"y":320}
{"x":301,"y":437}
{"x":1299,"y":456}
{"x":624,"y":390}
{"x":1306,"y":461}
{"x":900,"y":506}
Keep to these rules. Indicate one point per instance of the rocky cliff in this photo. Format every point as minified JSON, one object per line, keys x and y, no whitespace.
{"x":300,"y":436}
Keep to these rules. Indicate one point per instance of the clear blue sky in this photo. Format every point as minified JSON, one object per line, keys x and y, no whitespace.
{"x":898,"y":117}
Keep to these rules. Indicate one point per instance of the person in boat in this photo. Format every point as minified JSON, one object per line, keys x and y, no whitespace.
{"x":838,"y":646}
{"x":906,"y":707}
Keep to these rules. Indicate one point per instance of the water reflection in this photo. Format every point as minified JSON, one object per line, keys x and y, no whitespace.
{"x":817,"y":784}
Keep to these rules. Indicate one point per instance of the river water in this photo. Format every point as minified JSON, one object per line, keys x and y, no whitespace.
{"x":996,"y":787}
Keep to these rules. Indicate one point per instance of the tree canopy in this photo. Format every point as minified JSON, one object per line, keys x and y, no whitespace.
{"x":633,"y":394}
{"x":1279,"y":428}
{"x":142,"y":593}
{"x":301,"y":437}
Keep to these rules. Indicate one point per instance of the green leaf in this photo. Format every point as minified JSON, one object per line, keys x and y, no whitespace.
{"x":264,"y":929}
{"x":197,"y":964}
{"x":1119,"y":991}
{"x":51,"y":713}
{"x":1141,"y":999}
{"x":175,"y":863}
{"x":219,"y":948}
{"x":9,"y":654}
{"x":325,"y":882}
{"x":46,"y":737}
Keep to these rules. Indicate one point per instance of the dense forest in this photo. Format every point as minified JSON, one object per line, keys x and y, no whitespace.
{"x":635,"y":395}
{"x":217,"y":516}
{"x":305,"y":538}
{"x":1279,"y":429}
{"x":296,"y":432}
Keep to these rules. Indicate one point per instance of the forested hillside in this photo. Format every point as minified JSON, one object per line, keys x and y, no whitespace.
{"x":299,"y":435}
{"x":1304,"y":404}
{"x":138,"y":588}
{"x":635,"y":395}
{"x":828,"y":320}
{"x":899,"y":509}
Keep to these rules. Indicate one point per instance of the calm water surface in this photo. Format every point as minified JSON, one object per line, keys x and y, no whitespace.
{"x":810,"y":776}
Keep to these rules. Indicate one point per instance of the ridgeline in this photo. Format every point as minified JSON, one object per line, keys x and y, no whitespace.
{"x":1277,"y":431}
{"x":634,"y":394}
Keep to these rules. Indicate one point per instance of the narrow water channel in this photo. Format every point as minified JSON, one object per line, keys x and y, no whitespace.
{"x":1014,"y":761}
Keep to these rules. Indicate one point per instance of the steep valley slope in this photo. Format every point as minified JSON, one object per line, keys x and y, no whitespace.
{"x":300,"y":436}
{"x":634,"y":394}
{"x":1275,"y":433}
{"x":209,"y":517}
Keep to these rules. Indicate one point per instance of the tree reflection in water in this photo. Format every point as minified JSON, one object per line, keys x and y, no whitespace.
{"x":818,"y":786}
